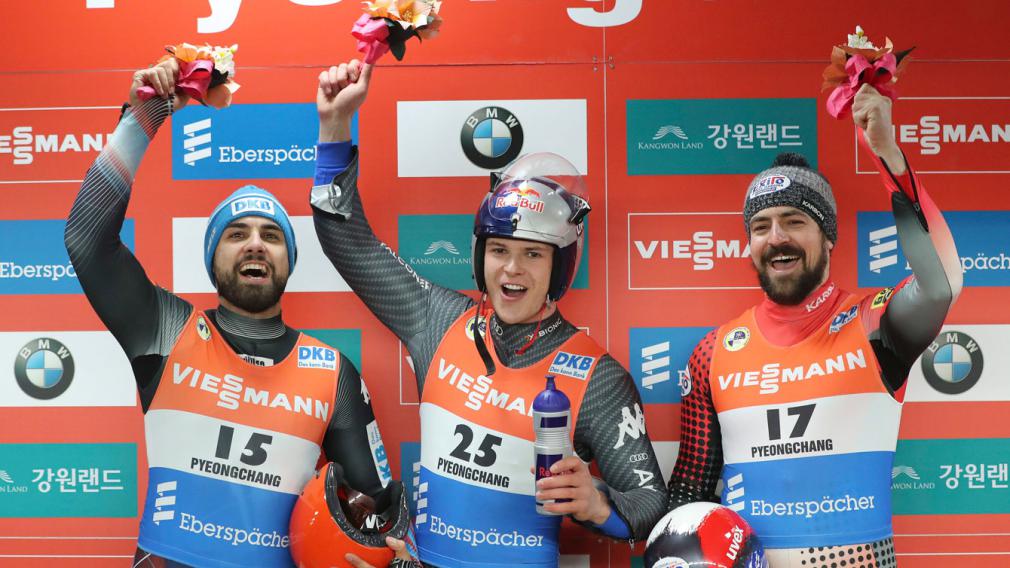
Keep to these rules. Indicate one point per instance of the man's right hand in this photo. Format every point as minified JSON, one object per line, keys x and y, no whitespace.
{"x":161,"y":78}
{"x":342,"y":90}
{"x":399,"y":547}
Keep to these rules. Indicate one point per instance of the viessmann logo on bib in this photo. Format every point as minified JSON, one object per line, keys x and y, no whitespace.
{"x":770,"y":378}
{"x":482,"y":390}
{"x":232,"y":392}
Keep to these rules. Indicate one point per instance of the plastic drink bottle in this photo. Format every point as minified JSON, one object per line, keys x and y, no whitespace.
{"x":552,"y":423}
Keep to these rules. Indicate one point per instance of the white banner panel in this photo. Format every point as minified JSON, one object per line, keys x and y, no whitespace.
{"x":65,"y":368}
{"x":472,"y":138}
{"x":313,"y":271}
{"x":964,"y":363}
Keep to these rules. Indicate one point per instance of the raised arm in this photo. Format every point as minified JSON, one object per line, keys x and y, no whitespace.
{"x":414,"y":309}
{"x":914,"y":314}
{"x":144,"y":318}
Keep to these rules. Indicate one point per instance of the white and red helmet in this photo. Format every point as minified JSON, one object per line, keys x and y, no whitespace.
{"x":703,"y":534}
{"x":539,"y":197}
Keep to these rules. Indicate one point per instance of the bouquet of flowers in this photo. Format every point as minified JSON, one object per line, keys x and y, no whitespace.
{"x":386,"y":25}
{"x":857,"y":63}
{"x":205,"y":73}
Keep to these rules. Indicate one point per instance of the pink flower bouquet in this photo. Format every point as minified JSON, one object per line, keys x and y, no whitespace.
{"x":386,"y":25}
{"x":857,"y":63}
{"x":205,"y":73}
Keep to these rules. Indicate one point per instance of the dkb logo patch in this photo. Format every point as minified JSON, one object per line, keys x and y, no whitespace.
{"x":317,"y":358}
{"x":571,"y":365}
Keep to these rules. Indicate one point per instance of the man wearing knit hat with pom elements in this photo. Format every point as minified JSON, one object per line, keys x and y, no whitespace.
{"x":795,"y":403}
{"x":237,"y":404}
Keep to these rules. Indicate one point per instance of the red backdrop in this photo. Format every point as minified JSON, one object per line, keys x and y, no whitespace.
{"x":70,"y":55}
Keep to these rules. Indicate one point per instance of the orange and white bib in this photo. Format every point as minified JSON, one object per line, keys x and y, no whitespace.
{"x":476,"y":505}
{"x":230,"y":445}
{"x":808,"y":432}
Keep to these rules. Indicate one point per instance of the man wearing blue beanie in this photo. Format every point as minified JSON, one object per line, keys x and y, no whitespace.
{"x":238,"y":406}
{"x":250,"y":282}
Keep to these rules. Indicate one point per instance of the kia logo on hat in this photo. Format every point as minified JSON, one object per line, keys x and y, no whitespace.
{"x":770,"y":184}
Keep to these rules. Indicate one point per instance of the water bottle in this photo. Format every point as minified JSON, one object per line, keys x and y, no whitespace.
{"x":552,"y":423}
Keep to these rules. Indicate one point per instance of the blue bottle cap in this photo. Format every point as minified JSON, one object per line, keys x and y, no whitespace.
{"x":551,"y":399}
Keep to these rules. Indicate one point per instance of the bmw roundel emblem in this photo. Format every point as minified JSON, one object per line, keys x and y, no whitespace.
{"x":44,"y":368}
{"x":952,"y":364}
{"x":491,"y":137}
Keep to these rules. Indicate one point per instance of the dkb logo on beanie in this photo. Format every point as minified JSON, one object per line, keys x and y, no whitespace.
{"x":244,"y":202}
{"x":250,"y":205}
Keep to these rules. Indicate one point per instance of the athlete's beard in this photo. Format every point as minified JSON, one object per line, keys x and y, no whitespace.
{"x":792,"y":290}
{"x":252,"y":299}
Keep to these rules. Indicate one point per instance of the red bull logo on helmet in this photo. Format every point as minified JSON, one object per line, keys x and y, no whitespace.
{"x":527,"y":191}
{"x":522,"y":198}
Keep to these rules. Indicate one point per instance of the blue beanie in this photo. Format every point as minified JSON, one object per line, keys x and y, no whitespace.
{"x":247,"y":201}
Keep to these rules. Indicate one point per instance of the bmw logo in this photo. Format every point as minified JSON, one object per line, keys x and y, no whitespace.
{"x":44,"y":368}
{"x":491,"y":137}
{"x":953,"y":363}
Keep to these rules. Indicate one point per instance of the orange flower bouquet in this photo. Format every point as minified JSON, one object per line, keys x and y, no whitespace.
{"x":386,"y":25}
{"x":205,"y":73}
{"x":857,"y":63}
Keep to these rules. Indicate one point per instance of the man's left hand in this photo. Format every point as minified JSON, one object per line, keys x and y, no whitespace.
{"x":570,"y":479}
{"x":871,"y":111}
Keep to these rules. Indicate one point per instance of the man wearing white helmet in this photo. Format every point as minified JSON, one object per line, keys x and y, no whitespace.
{"x":480,"y":364}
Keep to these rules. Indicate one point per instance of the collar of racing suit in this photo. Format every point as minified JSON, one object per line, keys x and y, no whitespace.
{"x":508,"y":338}
{"x":788,"y":325}
{"x":250,"y":328}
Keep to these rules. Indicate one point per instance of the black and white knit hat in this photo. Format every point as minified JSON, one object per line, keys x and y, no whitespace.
{"x":791,"y":181}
